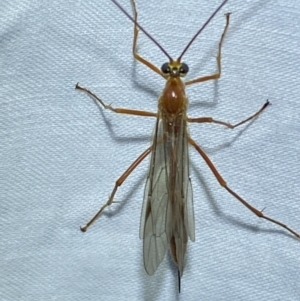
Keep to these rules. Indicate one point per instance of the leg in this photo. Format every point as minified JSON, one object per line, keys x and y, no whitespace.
{"x":229,"y":125}
{"x":218,"y":74}
{"x":118,"y":183}
{"x":223,"y":184}
{"x":116,"y":110}
{"x":135,"y":36}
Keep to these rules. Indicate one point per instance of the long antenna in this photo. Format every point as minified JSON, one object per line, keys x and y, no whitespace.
{"x":200,"y":30}
{"x":155,"y":42}
{"x":142,"y":29}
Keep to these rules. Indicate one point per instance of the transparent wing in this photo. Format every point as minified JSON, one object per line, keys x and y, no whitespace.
{"x":180,"y":215}
{"x":153,"y":219}
{"x":167,"y":216}
{"x":189,"y":206}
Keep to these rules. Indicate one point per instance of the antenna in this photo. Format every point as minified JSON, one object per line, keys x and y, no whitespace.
{"x":142,"y":29}
{"x":155,"y":42}
{"x":200,"y":30}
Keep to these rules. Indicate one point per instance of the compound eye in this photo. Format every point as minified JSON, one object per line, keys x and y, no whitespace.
{"x":184,"y":69}
{"x":165,"y":68}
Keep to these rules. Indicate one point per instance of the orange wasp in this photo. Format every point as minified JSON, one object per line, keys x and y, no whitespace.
{"x":167,"y":219}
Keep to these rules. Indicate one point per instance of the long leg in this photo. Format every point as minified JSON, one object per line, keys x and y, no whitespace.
{"x":134,"y":51}
{"x":227,"y":124}
{"x":116,"y":110}
{"x":118,"y":183}
{"x":223,"y":184}
{"x":218,"y":74}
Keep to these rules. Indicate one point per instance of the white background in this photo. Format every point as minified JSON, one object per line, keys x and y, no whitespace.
{"x":61,"y":154}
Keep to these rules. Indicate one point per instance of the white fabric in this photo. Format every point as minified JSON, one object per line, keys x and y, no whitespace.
{"x":61,"y":154}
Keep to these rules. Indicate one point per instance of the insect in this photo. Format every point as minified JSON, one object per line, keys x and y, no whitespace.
{"x":167,"y":219}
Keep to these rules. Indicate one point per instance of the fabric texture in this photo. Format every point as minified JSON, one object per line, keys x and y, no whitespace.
{"x":61,"y":153}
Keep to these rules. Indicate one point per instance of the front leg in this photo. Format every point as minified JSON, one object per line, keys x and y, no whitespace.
{"x":135,"y":37}
{"x":218,"y":73}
